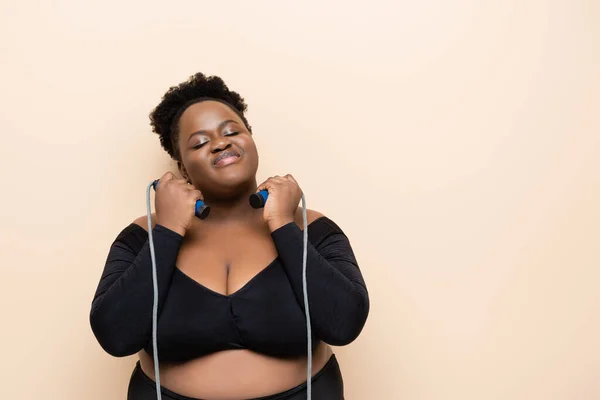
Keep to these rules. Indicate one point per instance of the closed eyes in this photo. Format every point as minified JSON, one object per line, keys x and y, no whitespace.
{"x":199,"y":145}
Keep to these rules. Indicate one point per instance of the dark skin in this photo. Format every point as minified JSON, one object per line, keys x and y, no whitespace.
{"x":207,"y":130}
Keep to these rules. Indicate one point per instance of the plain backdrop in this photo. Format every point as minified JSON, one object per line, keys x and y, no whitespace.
{"x":456,"y":142}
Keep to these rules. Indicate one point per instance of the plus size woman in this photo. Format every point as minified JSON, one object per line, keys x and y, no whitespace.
{"x":231,"y":317}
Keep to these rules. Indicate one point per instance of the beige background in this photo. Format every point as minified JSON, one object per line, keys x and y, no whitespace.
{"x":457,"y":143}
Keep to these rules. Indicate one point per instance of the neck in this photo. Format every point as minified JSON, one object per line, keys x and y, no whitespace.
{"x":233,"y":207}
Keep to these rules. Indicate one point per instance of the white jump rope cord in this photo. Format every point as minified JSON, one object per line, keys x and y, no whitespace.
{"x":155,"y":304}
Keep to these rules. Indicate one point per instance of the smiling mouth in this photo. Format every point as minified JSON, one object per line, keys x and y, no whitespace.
{"x":226,"y":158}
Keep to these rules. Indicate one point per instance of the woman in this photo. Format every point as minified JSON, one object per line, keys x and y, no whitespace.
{"x":231,"y":308}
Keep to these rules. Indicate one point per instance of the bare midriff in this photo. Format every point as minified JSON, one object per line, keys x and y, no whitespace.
{"x":235,"y":374}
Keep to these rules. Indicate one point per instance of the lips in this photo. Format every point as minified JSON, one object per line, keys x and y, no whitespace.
{"x":225,"y":158}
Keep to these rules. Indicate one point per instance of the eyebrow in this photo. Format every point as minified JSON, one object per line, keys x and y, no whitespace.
{"x":219,"y":127}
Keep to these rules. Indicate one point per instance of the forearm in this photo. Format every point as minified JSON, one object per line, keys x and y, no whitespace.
{"x":337,"y":295}
{"x":121,"y":314}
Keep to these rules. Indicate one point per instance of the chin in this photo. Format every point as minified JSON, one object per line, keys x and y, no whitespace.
{"x":232,"y":184}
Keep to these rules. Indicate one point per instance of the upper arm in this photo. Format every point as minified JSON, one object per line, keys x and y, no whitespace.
{"x":143,"y":221}
{"x":311,"y":216}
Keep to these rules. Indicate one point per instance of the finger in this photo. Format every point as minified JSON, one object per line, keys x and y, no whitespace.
{"x":197,"y":194}
{"x":291,"y":178}
{"x":170,"y":178}
{"x":179,"y":182}
{"x":167,"y":176}
{"x":263,"y":186}
{"x":164,"y":180}
{"x":268,"y":184}
{"x":278,"y":179}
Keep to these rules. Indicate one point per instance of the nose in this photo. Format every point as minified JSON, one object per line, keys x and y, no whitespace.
{"x":220,"y":144}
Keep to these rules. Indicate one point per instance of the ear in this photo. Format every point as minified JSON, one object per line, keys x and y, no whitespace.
{"x":183,"y":171}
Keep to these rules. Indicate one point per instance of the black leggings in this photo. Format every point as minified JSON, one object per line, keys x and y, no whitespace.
{"x":327,"y":384}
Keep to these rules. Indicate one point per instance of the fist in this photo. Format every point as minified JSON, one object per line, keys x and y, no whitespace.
{"x":284,"y":196}
{"x":175,"y":203}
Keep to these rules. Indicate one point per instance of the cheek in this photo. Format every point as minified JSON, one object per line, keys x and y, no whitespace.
{"x":196,"y":162}
{"x":249,"y":146}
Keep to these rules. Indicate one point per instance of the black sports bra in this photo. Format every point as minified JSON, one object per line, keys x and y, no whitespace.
{"x":266,"y":315}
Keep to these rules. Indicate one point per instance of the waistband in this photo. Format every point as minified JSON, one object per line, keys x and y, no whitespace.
{"x":330,"y":367}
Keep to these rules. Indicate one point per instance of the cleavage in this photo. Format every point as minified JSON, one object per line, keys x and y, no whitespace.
{"x":226,"y":261}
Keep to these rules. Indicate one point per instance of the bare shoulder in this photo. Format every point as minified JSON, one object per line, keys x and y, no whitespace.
{"x":143,"y":221}
{"x":311,"y":216}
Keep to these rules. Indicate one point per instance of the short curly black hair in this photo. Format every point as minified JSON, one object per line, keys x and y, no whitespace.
{"x":164,"y":119}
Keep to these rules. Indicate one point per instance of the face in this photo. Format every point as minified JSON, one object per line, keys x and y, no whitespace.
{"x":218,"y":154}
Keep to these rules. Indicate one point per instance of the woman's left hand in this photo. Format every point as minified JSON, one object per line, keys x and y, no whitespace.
{"x":284,"y":196}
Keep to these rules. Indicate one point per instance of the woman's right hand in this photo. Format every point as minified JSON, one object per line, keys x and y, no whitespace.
{"x":175,"y":203}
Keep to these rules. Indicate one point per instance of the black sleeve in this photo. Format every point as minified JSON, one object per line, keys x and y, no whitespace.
{"x":337,"y":295}
{"x":121,"y":311}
